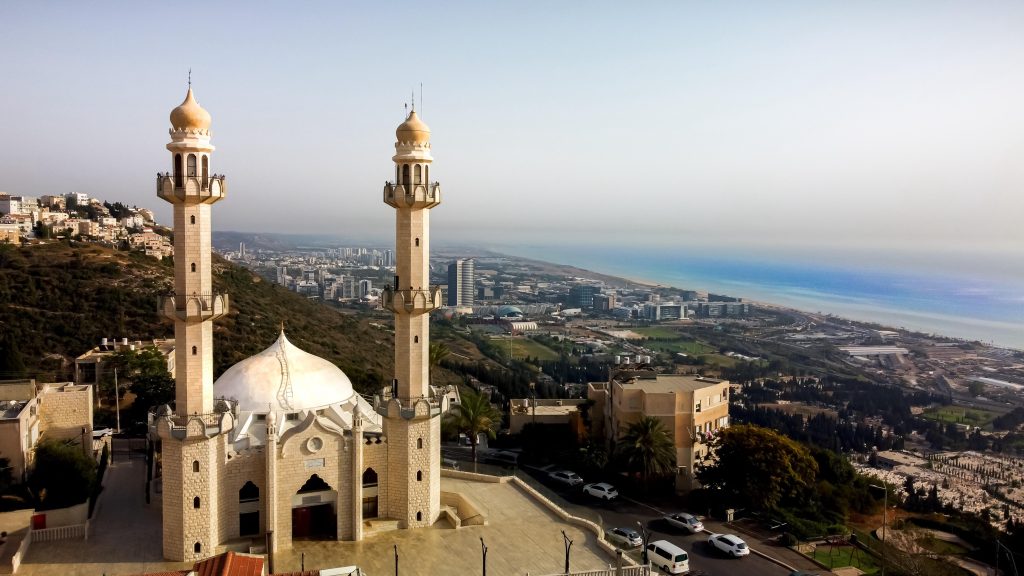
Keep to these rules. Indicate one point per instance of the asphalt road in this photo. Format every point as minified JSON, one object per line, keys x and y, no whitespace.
{"x":625,"y":513}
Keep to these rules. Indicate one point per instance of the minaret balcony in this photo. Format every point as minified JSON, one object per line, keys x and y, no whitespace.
{"x":191,"y":189}
{"x":412,"y":196}
{"x":411,"y":301}
{"x":165,"y":423}
{"x":193,"y":307}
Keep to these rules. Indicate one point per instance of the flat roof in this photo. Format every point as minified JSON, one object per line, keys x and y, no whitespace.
{"x":674,"y":383}
{"x":873,"y":350}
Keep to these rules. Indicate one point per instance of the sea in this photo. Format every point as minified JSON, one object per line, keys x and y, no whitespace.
{"x":952,"y":301}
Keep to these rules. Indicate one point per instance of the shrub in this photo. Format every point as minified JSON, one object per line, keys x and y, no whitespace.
{"x":63,"y":475}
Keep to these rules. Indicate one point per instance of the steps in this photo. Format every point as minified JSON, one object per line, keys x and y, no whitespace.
{"x":376,"y":526}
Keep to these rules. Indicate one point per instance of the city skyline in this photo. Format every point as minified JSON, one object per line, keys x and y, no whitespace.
{"x":743,"y":125}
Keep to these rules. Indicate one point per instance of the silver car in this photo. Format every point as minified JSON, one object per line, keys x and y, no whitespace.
{"x":730,"y":544}
{"x":685,"y":521}
{"x":566,"y":477}
{"x":625,"y":537}
{"x":601,"y":490}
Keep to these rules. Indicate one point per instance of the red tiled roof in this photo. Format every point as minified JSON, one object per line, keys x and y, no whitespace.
{"x":230,"y":564}
{"x":306,"y":573}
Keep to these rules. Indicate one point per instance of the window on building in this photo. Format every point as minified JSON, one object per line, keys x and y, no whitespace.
{"x":419,"y":475}
{"x":195,"y":502}
{"x":195,"y":465}
{"x":417,"y":241}
{"x":195,"y":350}
{"x":193,"y":266}
{"x":292,"y":416}
{"x":206,"y":170}
{"x":197,"y":548}
{"x":405,"y":174}
{"x":177,"y":170}
{"x":416,"y":339}
{"x":418,"y":174}
{"x":419,"y":443}
{"x":192,"y":165}
{"x":261,"y":417}
{"x":697,"y":407}
{"x":192,"y":219}
{"x":419,"y":516}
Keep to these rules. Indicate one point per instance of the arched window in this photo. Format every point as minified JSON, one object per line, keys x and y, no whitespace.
{"x":195,"y":350}
{"x":197,"y":548}
{"x":369,"y":478}
{"x":193,"y":266}
{"x":418,"y":174}
{"x":416,"y":339}
{"x":206,"y":170}
{"x":195,"y":502}
{"x":419,"y":516}
{"x":419,"y":476}
{"x":191,"y":166}
{"x":426,"y":174}
{"x":249,"y":493}
{"x":405,"y":174}
{"x":417,"y":241}
{"x":192,"y":219}
{"x":419,"y":443}
{"x":177,"y":170}
{"x":195,"y":465}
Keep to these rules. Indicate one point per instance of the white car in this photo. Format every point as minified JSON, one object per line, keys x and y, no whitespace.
{"x":601,"y":490}
{"x":730,"y":544}
{"x":566,"y":477}
{"x":687,"y":522}
{"x":626,"y":537}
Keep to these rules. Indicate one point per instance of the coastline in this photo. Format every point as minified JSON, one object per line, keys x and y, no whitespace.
{"x":629,"y":280}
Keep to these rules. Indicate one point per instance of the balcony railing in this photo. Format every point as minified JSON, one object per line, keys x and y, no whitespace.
{"x":406,"y":195}
{"x":386,"y":404}
{"x":164,"y":421}
{"x":411,"y":300}
{"x":193,"y":306}
{"x":208,"y":189}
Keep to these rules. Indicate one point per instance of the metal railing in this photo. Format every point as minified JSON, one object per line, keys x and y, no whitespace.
{"x":180,"y":179}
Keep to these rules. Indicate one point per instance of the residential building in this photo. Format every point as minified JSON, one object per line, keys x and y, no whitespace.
{"x":90,"y":367}
{"x":461,"y":283}
{"x":692,"y":408}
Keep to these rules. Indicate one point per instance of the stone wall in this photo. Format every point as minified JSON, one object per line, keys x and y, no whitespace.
{"x":414,"y":479}
{"x":64,"y":410}
{"x":249,"y":466}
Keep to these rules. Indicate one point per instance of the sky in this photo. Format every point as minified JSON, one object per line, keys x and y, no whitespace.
{"x":833,"y":127}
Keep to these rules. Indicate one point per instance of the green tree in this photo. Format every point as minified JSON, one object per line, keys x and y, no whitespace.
{"x":758,"y":468}
{"x":143,"y":373}
{"x":438,"y":352}
{"x":473,"y":415}
{"x":63,"y":475}
{"x":647,"y":448}
{"x":975,"y":388}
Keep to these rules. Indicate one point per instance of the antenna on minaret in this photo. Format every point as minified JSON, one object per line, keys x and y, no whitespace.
{"x":413,"y":100}
{"x":190,"y":77}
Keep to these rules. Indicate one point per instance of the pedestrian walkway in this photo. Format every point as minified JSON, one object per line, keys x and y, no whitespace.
{"x":125,"y":534}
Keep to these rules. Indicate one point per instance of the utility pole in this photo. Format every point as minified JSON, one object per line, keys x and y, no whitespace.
{"x":117,"y":403}
{"x":568,"y":546}
{"x":885,"y":510}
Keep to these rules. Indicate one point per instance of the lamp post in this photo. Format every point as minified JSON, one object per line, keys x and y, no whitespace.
{"x":885,"y":510}
{"x":483,"y":550}
{"x":568,"y":546}
{"x":645,"y":536}
{"x":396,"y":559}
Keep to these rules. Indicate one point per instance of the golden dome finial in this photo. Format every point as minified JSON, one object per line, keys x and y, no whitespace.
{"x":413,"y":130}
{"x":190,"y":115}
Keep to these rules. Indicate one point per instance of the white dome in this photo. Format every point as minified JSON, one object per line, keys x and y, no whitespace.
{"x":283,"y":377}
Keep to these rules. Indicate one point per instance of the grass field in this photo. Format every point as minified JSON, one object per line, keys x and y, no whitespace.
{"x":523,"y":347}
{"x":840,"y":556}
{"x":657,"y":332}
{"x":960,"y":415}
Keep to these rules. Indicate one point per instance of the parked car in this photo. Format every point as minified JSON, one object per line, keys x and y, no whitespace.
{"x":601,"y":490}
{"x":626,"y":537}
{"x":668,"y":557}
{"x":449,"y":463}
{"x":502,"y":458}
{"x":566,"y":477}
{"x":685,"y":521}
{"x":730,"y":544}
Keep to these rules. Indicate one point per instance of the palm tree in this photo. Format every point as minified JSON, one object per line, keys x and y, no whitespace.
{"x":473,"y":415}
{"x":438,"y":352}
{"x":647,"y":446}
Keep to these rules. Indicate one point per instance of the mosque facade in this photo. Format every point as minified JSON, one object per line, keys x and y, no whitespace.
{"x":281,"y":447}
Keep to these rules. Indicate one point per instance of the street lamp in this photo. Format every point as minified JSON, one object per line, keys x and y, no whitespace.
{"x":645,"y":536}
{"x":885,"y":510}
{"x":396,"y":559}
{"x":568,"y":546}
{"x":483,"y":550}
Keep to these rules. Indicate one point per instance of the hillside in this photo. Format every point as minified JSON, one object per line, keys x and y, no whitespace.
{"x":58,"y":300}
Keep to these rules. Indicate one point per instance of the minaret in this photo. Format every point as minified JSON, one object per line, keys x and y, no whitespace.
{"x":190,"y":436}
{"x":412,"y":418}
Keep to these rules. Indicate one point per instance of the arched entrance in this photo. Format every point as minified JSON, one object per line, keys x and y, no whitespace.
{"x":369,"y":493}
{"x":313,"y":514}
{"x":249,"y":510}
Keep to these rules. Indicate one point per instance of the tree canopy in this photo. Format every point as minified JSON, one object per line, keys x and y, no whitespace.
{"x":472,"y":416}
{"x":63,"y":475}
{"x":647,"y":448}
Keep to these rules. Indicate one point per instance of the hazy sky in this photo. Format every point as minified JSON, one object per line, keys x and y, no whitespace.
{"x":864,"y":124}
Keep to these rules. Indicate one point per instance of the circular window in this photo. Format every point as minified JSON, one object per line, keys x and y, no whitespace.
{"x":314,"y":444}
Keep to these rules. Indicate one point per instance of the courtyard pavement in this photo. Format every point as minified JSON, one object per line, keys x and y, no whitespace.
{"x":522,"y":537}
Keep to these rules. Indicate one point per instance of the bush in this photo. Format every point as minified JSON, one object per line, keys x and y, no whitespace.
{"x":63,"y":475}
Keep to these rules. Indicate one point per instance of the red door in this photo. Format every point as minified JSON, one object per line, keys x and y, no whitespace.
{"x":302,"y":522}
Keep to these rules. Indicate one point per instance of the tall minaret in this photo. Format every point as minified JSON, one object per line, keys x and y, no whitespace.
{"x":190,"y":436}
{"x":412,"y":418}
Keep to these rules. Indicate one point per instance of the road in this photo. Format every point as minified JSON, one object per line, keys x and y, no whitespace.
{"x":625,"y":513}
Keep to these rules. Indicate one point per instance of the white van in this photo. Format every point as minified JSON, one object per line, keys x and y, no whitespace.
{"x":668,"y":557}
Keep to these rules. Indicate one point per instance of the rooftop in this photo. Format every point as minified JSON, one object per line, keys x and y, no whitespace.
{"x":673,"y":383}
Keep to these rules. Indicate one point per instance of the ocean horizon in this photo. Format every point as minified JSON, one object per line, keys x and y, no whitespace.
{"x":968,"y":306}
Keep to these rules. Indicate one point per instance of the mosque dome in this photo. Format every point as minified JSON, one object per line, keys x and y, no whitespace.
{"x":190,"y":115}
{"x":260,"y":383}
{"x":413,"y":130}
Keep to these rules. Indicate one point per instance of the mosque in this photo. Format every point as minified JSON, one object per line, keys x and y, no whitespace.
{"x":281,"y":447}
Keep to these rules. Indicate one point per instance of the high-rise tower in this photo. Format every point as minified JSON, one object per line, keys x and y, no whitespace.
{"x":412,"y":417}
{"x":191,"y":437}
{"x":461,"y":283}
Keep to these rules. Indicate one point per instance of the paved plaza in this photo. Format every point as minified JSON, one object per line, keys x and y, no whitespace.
{"x":522,"y":537}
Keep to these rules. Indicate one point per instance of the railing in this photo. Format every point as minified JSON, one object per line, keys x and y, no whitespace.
{"x":412,"y":195}
{"x":193,"y":305}
{"x":411,"y":299}
{"x":208,"y":424}
{"x":179,"y":181}
{"x":60,"y":533}
{"x":207,"y":189}
{"x":407,"y":409}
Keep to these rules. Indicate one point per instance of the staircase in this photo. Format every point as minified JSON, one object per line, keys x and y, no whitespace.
{"x":376,"y":526}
